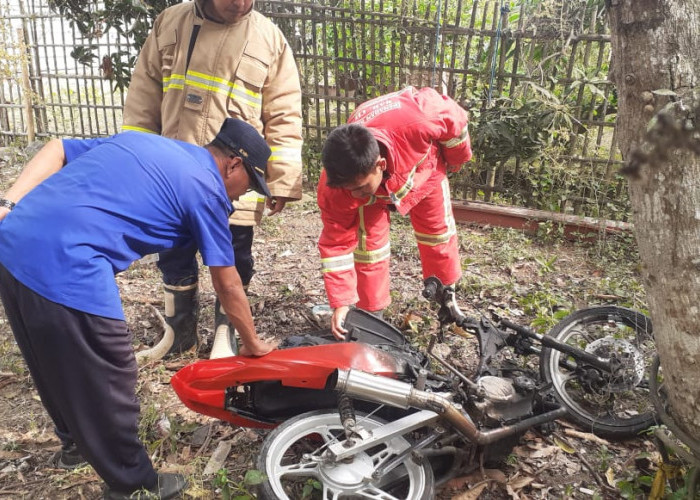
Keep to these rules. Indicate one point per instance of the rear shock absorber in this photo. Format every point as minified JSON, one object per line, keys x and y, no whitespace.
{"x":347,"y":418}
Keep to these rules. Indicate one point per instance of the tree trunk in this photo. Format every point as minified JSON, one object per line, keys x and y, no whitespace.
{"x":655,"y":47}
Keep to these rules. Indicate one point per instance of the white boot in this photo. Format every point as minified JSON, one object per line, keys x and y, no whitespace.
{"x":225,"y":343}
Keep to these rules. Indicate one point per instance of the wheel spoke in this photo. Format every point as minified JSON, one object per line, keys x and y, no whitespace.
{"x":298,"y":470}
{"x":328,"y":437}
{"x":330,"y":494}
{"x":373,"y":492}
{"x":581,"y":333}
{"x":565,"y":377}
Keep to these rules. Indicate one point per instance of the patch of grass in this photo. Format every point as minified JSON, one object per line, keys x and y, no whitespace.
{"x":550,"y":232}
{"x":10,"y":357}
{"x":158,"y":431}
{"x":604,"y":456}
{"x":546,"y":264}
{"x":10,"y":445}
{"x":307,"y":203}
{"x":628,"y":290}
{"x":270,"y":226}
{"x":638,"y":487}
{"x":618,"y":249}
{"x":507,"y":246}
{"x":546,"y":306}
{"x":474,"y":285}
{"x":239,"y":490}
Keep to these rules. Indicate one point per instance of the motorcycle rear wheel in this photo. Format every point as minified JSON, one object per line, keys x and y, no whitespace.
{"x":610,"y":405}
{"x":291,"y":458}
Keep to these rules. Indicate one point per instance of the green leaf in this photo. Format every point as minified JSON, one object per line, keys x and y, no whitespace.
{"x":306,"y":492}
{"x":254,"y":477}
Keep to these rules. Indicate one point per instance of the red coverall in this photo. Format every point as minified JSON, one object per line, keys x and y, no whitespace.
{"x":425,"y":134}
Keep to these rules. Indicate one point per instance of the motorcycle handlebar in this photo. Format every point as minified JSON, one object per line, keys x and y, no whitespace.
{"x":443,"y":295}
{"x":431,"y":288}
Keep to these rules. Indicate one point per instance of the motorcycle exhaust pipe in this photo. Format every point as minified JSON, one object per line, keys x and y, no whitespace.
{"x":392,"y":392}
{"x":399,"y":394}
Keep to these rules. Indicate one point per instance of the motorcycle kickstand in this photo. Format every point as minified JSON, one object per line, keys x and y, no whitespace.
{"x":399,"y":459}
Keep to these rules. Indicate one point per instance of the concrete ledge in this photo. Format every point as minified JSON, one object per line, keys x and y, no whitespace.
{"x":527,"y":219}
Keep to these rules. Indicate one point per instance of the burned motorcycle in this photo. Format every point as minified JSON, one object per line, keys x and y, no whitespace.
{"x":374,"y":417}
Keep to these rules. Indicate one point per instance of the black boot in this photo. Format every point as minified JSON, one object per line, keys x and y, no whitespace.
{"x":225,"y":343}
{"x":68,"y":457}
{"x":169,"y":486}
{"x":181,"y":314}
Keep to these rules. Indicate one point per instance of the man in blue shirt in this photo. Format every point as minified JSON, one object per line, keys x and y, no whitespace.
{"x":85,"y":210}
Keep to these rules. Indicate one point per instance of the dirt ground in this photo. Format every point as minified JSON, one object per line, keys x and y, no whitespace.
{"x":502,"y":270}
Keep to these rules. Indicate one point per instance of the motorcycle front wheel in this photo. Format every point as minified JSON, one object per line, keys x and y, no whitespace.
{"x":613,"y":405}
{"x":294,"y":460}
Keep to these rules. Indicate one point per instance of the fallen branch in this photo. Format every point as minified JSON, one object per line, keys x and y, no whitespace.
{"x":585,"y":435}
{"x":603,"y":484}
{"x":79,"y":483}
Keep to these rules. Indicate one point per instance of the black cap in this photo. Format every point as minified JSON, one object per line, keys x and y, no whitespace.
{"x":242,"y":138}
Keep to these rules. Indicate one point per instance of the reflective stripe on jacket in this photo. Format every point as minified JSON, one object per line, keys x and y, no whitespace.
{"x":244,"y":70}
{"x":425,"y":134}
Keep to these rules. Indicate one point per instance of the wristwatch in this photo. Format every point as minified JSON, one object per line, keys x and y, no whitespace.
{"x":4,"y":202}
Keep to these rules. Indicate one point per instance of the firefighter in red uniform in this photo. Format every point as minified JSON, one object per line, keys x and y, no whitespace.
{"x":395,"y":151}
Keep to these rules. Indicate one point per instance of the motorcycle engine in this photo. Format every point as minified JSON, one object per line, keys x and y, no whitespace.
{"x":504,"y":400}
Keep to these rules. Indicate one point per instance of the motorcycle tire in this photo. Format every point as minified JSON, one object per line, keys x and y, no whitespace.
{"x":290,"y":474}
{"x":609,"y":405}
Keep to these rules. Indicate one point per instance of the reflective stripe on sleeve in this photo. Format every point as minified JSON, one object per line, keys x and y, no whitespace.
{"x":456,"y":141}
{"x":371,"y":256}
{"x":138,"y":129}
{"x":252,"y":196}
{"x":401,"y":193}
{"x":285,"y":153}
{"x":173,"y":82}
{"x":337,"y":263}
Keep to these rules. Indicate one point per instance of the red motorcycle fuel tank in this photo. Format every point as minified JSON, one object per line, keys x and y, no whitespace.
{"x":202,"y":385}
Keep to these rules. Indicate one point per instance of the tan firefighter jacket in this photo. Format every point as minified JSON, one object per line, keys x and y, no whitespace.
{"x":244,"y":70}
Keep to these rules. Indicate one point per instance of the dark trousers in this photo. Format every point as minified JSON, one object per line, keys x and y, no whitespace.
{"x":85,"y":371}
{"x":179,"y":265}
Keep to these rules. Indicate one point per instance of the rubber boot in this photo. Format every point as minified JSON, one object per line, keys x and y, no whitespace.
{"x":225,"y":342}
{"x":181,"y":314}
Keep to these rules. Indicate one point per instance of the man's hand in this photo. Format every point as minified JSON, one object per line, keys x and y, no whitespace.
{"x":259,"y":349}
{"x":276,"y":204}
{"x":3,"y":212}
{"x":337,"y":321}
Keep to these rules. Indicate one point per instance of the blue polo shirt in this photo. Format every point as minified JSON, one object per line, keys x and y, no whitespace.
{"x":116,"y":200}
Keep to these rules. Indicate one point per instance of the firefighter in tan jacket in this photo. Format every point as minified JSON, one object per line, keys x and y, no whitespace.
{"x":202,"y":62}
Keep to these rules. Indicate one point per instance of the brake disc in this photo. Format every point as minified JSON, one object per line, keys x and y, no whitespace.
{"x":631,"y":369}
